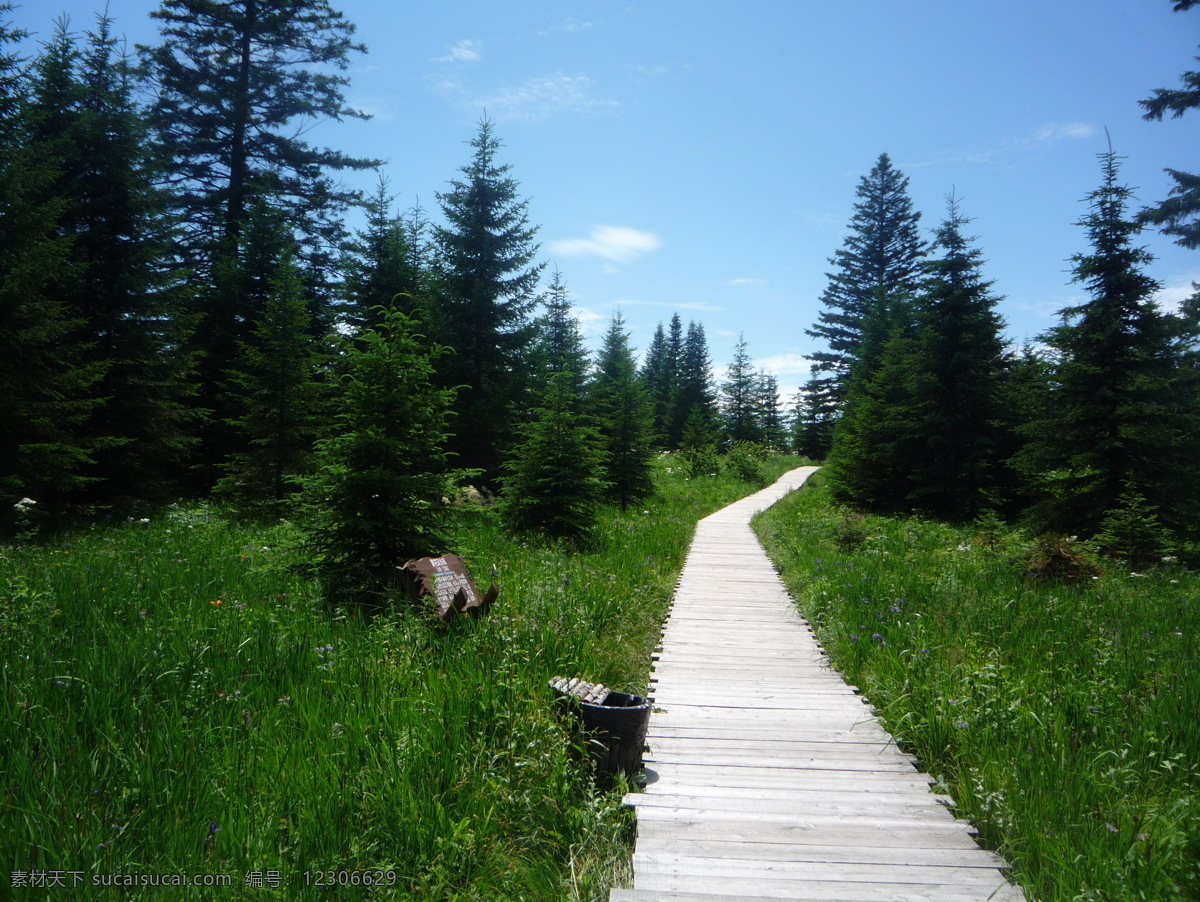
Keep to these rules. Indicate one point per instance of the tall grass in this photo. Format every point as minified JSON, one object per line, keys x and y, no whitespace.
{"x":1063,"y":718}
{"x":175,"y":699}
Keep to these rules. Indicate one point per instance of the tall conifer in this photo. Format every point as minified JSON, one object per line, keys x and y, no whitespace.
{"x":485,"y":301}
{"x":1121,"y":414}
{"x":874,"y":277}
{"x":621,"y":410}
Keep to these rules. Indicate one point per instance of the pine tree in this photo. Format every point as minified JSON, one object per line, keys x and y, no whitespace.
{"x":279,"y":397}
{"x":130,"y":307}
{"x":553,"y":482}
{"x":374,"y":498}
{"x":387,"y":264}
{"x":236,"y":83}
{"x":236,"y":80}
{"x":484,"y":303}
{"x":47,"y":377}
{"x":772,"y":433}
{"x":654,"y":374}
{"x":1118,"y":417}
{"x":739,"y":397}
{"x":1179,"y":214}
{"x":874,"y":441}
{"x":696,"y":396}
{"x":959,"y":368}
{"x":875,"y":271}
{"x":559,"y":346}
{"x":621,"y":410}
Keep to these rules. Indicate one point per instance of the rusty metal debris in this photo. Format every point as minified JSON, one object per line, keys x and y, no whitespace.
{"x":446,"y":583}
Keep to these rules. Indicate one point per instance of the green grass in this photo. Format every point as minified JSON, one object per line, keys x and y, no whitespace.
{"x":175,"y":699}
{"x":1063,"y":718}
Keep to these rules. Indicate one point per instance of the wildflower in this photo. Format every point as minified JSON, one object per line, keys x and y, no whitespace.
{"x":876,"y":637}
{"x":962,"y":725}
{"x":24,"y":506}
{"x":216,"y":602}
{"x":1110,"y":828}
{"x":285,"y":699}
{"x":894,"y":609}
{"x":213,"y":830}
{"x":142,"y":613}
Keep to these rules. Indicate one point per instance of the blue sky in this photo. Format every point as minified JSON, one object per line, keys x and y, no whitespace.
{"x":701,"y":157}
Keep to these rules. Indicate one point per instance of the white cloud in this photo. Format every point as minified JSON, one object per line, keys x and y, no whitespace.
{"x":1058,"y":131}
{"x":619,"y":244}
{"x":544,"y":96}
{"x":787,"y":364}
{"x":590,"y":322}
{"x":1172,"y":295}
{"x":749,"y":282}
{"x":465,"y":51}
{"x":693,"y":305}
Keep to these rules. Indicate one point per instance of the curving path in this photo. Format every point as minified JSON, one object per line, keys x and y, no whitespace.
{"x":769,"y":777}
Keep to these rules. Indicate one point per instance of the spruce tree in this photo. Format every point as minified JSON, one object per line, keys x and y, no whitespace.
{"x":553,"y":482}
{"x":696,"y":396}
{"x":1179,"y":214}
{"x":875,"y":440}
{"x":279,"y":397}
{"x":772,"y":432}
{"x":559,"y":347}
{"x":373,"y":500}
{"x":236,"y":83}
{"x":484,"y":303}
{"x":622,"y":412}
{"x":739,"y":397}
{"x":48,"y":377}
{"x":387,"y":263}
{"x":959,"y":369}
{"x":875,"y":271}
{"x":129,"y":305}
{"x":1118,"y":417}
{"x":654,"y":374}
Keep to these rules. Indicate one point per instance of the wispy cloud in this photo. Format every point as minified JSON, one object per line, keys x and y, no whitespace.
{"x":590,"y":322}
{"x":619,"y":244}
{"x":570,"y":26}
{"x":1050,"y":133}
{"x":1059,"y":131}
{"x":544,"y":96}
{"x":465,"y":51}
{"x":747,"y":282}
{"x":690,"y":305}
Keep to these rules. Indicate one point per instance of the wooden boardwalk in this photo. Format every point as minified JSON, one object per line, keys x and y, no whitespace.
{"x":769,"y":777}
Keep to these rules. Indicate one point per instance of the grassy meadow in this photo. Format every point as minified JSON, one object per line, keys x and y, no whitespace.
{"x":175,"y":699}
{"x":1064,"y":717}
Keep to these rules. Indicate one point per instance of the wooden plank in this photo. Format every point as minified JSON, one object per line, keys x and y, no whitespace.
{"x":815,"y":803}
{"x":817,"y":890}
{"x":824,"y":892}
{"x":648,"y":864}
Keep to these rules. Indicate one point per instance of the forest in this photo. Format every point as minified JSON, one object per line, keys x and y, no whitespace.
{"x":186,"y":312}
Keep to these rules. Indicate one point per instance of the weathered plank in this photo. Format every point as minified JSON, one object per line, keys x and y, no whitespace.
{"x":767,"y":776}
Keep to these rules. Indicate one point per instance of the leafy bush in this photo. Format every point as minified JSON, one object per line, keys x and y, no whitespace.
{"x":745,"y":461}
